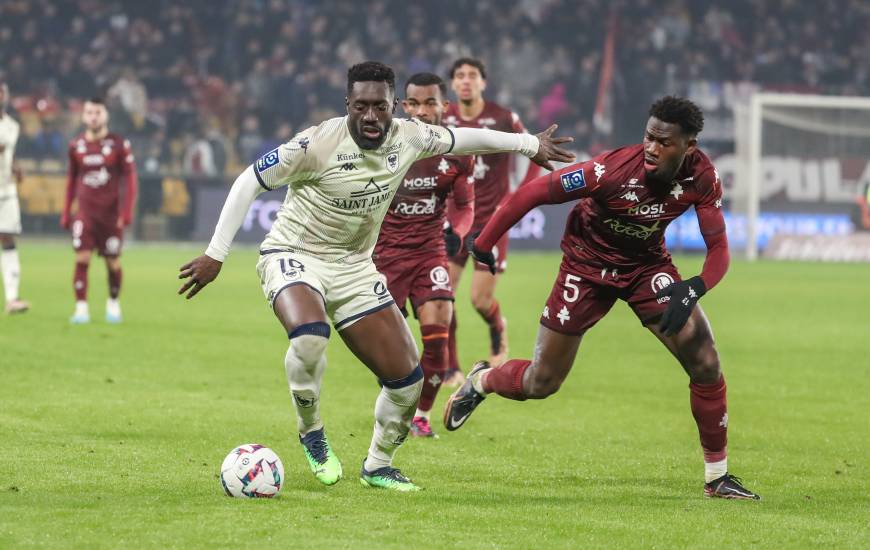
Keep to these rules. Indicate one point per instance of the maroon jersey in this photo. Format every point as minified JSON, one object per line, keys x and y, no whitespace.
{"x":621,"y":219}
{"x":96,"y":169}
{"x":415,"y":220}
{"x":491,"y":172}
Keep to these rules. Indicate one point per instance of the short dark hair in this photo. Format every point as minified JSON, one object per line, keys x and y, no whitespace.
{"x":426,"y":79}
{"x":96,"y":100}
{"x":679,"y":111}
{"x":468,"y":61}
{"x":371,"y":71}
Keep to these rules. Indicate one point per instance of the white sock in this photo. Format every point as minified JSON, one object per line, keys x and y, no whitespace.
{"x":421,"y":413}
{"x":477,"y":382}
{"x":394,"y":410}
{"x":304,"y":364}
{"x":715,"y":470}
{"x":11,"y":268}
{"x":81,"y":308}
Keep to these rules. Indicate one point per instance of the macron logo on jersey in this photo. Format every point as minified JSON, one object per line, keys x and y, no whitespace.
{"x":267,"y":161}
{"x":572,"y":181}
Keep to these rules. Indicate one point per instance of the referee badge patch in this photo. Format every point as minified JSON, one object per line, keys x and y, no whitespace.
{"x":392,"y":162}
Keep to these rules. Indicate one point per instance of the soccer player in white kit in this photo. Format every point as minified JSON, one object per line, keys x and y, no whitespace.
{"x":315,"y":264}
{"x":10,"y":213}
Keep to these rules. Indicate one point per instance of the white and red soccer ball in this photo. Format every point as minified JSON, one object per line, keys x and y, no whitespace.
{"x":252,"y":471}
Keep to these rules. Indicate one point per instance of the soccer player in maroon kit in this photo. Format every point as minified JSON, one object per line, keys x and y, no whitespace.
{"x":98,"y":162}
{"x":492,"y":188}
{"x":411,"y":251}
{"x":614,"y":248}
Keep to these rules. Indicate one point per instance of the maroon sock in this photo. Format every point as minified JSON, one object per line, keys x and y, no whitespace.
{"x":493,"y":317}
{"x":80,"y":281}
{"x":115,"y":283}
{"x":452,"y":355}
{"x":496,"y":326}
{"x":434,"y":363}
{"x":710,"y":410}
{"x":507,"y":379}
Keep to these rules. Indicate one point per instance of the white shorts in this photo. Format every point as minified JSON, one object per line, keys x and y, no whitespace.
{"x":10,"y":215}
{"x":349,"y":291}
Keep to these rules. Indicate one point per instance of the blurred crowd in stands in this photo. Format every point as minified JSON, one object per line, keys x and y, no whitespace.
{"x":202,"y":87}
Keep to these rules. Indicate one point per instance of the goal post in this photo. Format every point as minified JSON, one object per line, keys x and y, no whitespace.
{"x":801,"y":163}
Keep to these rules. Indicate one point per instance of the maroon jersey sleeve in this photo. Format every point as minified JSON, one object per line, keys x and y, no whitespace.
{"x":567,"y":184}
{"x":712,"y":224}
{"x":460,"y":209}
{"x":128,"y":174}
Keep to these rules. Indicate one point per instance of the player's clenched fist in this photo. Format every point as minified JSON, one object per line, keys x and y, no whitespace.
{"x":683,"y":297}
{"x":199,"y":272}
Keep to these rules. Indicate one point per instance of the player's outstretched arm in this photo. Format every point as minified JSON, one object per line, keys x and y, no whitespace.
{"x":204,"y":269}
{"x":541,"y":148}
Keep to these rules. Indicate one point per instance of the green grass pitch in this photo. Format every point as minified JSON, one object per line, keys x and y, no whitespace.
{"x":112,"y":436}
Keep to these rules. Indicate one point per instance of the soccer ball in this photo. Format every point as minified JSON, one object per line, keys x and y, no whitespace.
{"x":252,"y":471}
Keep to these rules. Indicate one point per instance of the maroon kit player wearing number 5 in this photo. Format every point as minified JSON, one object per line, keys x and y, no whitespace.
{"x":98,"y":162}
{"x":411,"y":252}
{"x":614,"y":249}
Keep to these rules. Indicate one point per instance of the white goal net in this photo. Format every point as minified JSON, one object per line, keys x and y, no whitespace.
{"x":802,"y":166}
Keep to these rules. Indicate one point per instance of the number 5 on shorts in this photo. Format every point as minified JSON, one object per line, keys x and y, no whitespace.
{"x":569,"y":285}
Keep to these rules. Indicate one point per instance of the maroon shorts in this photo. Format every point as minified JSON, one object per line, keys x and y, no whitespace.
{"x":500,"y":250}
{"x":583,"y":294}
{"x":99,"y":235}
{"x":418,"y":278}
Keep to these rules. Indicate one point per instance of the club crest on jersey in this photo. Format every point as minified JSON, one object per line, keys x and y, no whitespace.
{"x":267,"y":161}
{"x":572,"y":181}
{"x":392,"y":162}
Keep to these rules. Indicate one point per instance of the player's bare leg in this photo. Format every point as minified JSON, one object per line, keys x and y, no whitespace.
{"x":301,"y":311}
{"x":454,"y":377}
{"x":434,"y":317}
{"x":383,"y":342}
{"x":517,"y":379}
{"x":694,"y":347}
{"x":113,"y":305}
{"x":81,"y":315}
{"x":11,"y":268}
{"x":483,"y":285}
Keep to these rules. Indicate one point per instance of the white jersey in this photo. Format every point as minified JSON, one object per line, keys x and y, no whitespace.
{"x":8,"y":139}
{"x":338,"y":192}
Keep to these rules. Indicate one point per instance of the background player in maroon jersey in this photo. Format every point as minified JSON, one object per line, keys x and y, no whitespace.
{"x":98,"y":162}
{"x":614,"y":249}
{"x":411,"y":252}
{"x":492,"y":188}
